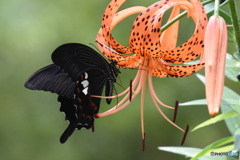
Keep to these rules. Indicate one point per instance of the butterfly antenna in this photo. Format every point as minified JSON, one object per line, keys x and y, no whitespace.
{"x":120,"y":78}
{"x":116,"y":92}
{"x":120,"y":85}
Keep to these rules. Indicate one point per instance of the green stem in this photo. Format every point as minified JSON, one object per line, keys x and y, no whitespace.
{"x":163,"y":28}
{"x":216,"y":7}
{"x":236,"y":29}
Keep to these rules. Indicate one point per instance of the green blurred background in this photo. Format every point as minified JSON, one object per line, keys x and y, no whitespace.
{"x":30,"y":121}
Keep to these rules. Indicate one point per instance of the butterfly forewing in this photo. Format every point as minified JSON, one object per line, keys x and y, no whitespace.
{"x":73,"y":56}
{"x":51,"y":78}
{"x":77,"y":58}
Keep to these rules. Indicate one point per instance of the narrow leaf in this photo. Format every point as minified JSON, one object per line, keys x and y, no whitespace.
{"x":201,"y":78}
{"x":232,"y":68}
{"x":237,"y":140}
{"x":226,"y":148}
{"x":204,"y":102}
{"x":231,"y":99}
{"x":236,"y":55}
{"x":186,"y":151}
{"x":191,"y":152}
{"x":232,"y":123}
{"x":194,"y":102}
{"x":216,"y":119}
{"x":216,"y":144}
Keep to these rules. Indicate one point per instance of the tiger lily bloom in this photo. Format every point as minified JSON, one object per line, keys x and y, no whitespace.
{"x":215,"y":57}
{"x":150,"y":50}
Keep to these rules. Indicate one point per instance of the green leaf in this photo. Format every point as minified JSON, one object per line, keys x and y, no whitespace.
{"x":204,"y":102}
{"x":201,"y":78}
{"x":227,"y":148}
{"x":228,"y":19}
{"x":194,"y":102}
{"x":191,"y":152}
{"x":209,"y":8}
{"x":236,"y":55}
{"x":186,"y":151}
{"x":231,"y":99}
{"x":237,"y":140}
{"x":216,"y":119}
{"x":210,"y":147}
{"x":232,"y":123}
{"x":232,"y":68}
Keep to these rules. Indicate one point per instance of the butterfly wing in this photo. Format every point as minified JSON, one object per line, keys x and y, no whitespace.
{"x":51,"y":78}
{"x":74,"y":56}
{"x":69,"y":109}
{"x":66,"y":77}
{"x":80,"y":111}
{"x":77,"y":58}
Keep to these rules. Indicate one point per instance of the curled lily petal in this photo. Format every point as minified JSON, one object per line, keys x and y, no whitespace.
{"x":215,"y":57}
{"x":172,"y":32}
{"x":193,"y":47}
{"x":105,"y":38}
{"x":110,"y":19}
{"x":146,"y":34}
{"x":146,"y":40}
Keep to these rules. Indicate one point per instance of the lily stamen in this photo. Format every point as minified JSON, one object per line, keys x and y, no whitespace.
{"x":185,"y":135}
{"x":175,"y":111}
{"x":157,"y":106}
{"x":131,"y":90}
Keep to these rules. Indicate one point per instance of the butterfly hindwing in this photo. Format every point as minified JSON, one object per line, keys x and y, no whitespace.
{"x":70,"y":111}
{"x":68,"y":108}
{"x":80,"y":111}
{"x":85,"y":107}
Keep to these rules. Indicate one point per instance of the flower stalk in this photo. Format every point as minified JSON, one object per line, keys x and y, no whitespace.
{"x":216,"y":7}
{"x":234,"y":15}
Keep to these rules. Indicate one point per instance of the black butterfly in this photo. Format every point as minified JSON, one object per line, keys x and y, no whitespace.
{"x":77,"y":73}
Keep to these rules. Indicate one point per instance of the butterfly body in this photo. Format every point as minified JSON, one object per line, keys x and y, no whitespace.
{"x":77,"y":73}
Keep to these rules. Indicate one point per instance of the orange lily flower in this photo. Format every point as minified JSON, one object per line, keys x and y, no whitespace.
{"x":153,"y":52}
{"x":215,"y":57}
